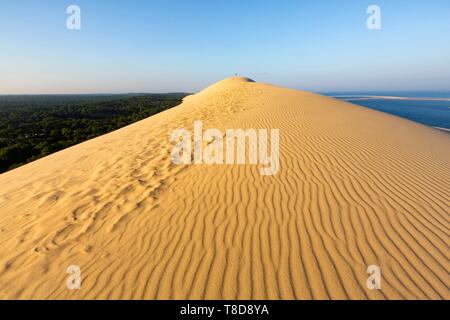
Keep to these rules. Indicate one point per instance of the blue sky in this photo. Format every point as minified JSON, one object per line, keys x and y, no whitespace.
{"x":184,"y":45}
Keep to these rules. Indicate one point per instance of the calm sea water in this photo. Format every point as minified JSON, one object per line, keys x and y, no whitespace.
{"x":429,"y":112}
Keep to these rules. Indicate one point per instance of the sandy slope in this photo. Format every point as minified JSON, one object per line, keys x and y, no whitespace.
{"x":356,"y":187}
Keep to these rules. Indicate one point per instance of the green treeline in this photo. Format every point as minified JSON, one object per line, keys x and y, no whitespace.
{"x":34,"y":126}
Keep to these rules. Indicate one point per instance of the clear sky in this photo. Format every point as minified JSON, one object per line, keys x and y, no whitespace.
{"x":184,"y":45}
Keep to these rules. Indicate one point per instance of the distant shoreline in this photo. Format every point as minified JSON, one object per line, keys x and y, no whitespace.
{"x":427,"y":109}
{"x":358,"y":98}
{"x":443,"y":129}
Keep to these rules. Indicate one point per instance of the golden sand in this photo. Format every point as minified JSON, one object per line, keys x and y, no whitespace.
{"x":355,"y":188}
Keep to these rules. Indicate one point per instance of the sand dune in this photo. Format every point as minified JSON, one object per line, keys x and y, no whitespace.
{"x":355,"y":188}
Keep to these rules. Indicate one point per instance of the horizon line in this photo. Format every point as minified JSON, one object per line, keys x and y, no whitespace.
{"x":187,"y":92}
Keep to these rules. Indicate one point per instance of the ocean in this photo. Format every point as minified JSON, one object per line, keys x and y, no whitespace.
{"x":428,"y":109}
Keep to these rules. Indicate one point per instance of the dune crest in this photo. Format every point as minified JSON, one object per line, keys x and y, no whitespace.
{"x":355,"y":188}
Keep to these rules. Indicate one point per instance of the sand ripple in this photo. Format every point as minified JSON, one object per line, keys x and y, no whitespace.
{"x":355,"y":188}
